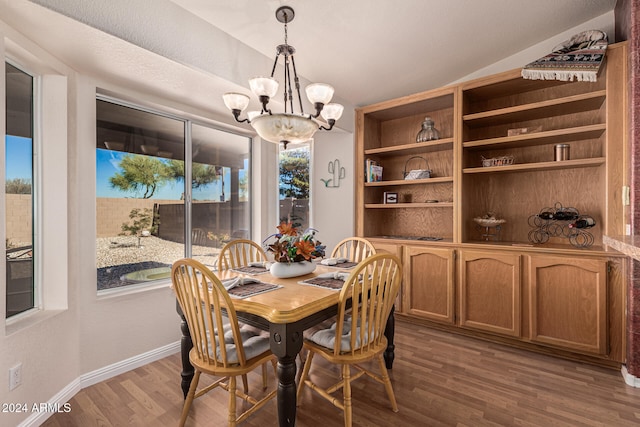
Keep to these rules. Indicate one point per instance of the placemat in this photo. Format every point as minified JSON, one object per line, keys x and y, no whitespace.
{"x":324,"y":282}
{"x":346,"y":264}
{"x":248,"y":269}
{"x":251,"y":289}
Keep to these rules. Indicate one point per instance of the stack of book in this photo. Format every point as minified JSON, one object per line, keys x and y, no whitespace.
{"x":373,"y":171}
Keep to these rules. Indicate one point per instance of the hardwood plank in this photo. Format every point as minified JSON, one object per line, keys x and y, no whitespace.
{"x":439,"y":379}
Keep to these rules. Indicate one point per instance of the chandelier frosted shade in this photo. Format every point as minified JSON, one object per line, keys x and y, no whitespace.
{"x":332,"y":111}
{"x":235,"y":101}
{"x":319,"y":93}
{"x":264,"y":86}
{"x":285,"y":128}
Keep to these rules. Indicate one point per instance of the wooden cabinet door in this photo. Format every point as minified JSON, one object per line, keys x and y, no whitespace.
{"x":490,"y":292}
{"x":568,"y":303}
{"x":429,"y":283}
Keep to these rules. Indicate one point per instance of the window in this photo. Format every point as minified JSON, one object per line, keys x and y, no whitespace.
{"x":153,"y":207}
{"x":294,"y":186}
{"x":19,"y":179}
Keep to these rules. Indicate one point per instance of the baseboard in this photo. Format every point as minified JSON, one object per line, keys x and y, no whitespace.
{"x":631,"y":380}
{"x":111,"y":371}
{"x":102,"y":374}
{"x":56,"y":402}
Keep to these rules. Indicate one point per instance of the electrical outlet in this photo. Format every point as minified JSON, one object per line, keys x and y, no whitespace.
{"x":15,"y":376}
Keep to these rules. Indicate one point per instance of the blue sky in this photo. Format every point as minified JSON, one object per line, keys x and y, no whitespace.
{"x":107,"y":164}
{"x":18,"y":158}
{"x":19,"y":165}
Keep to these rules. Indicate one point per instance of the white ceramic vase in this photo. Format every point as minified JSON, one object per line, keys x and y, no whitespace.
{"x":284,"y":270}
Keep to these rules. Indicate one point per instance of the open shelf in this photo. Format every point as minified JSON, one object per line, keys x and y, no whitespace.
{"x":436,"y":180}
{"x":536,"y":110}
{"x":408,"y":205}
{"x":539,"y":138}
{"x":526,"y":167}
{"x":413,"y":148}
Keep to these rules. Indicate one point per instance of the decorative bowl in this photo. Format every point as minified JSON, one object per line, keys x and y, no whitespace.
{"x":489,"y":222}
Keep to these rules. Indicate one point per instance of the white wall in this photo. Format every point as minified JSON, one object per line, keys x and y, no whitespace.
{"x":47,"y":343}
{"x":604,"y":23}
{"x":332,"y":208}
{"x":113,"y":327}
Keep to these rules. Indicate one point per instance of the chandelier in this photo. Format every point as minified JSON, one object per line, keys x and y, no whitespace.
{"x":289,"y":126}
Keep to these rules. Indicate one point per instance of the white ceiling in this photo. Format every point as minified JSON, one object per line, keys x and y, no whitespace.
{"x":192,"y":51}
{"x":372,"y":50}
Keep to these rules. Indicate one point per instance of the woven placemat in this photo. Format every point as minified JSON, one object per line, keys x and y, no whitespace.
{"x":247,"y":269}
{"x":346,"y":264}
{"x":251,"y":289}
{"x":325,"y":282}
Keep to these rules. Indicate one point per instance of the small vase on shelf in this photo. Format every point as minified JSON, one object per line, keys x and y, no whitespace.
{"x":283,"y":270}
{"x":428,"y":132}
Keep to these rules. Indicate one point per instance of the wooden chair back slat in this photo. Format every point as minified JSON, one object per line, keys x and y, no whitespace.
{"x":205,"y":303}
{"x":238,"y":253}
{"x":355,"y":249}
{"x":371,"y":288}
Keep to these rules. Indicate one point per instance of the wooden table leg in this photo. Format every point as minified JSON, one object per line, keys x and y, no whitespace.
{"x":389,"y":332}
{"x":185,"y":347}
{"x":286,"y":343}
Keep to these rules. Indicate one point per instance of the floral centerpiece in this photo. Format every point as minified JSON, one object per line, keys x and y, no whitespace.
{"x":293,"y":250}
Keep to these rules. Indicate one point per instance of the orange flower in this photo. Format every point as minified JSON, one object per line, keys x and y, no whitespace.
{"x":287,"y":229}
{"x":305,"y":248}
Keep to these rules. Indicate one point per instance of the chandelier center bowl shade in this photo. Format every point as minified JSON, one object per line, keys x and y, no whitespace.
{"x":278,"y":128}
{"x":289,"y":126}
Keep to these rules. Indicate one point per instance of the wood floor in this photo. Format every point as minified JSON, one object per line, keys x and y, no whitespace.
{"x":439,"y":380}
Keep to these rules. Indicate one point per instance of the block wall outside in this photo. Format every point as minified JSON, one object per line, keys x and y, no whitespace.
{"x":111,"y":213}
{"x":19,"y":219}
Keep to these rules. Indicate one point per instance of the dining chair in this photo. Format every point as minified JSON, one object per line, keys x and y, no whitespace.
{"x":355,"y":249}
{"x":220,"y":347}
{"x":358,"y":336}
{"x":240,"y":252}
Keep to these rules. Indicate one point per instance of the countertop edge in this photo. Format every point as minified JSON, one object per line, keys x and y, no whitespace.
{"x":628,"y":245}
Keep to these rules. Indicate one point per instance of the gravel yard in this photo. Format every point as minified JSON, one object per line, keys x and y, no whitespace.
{"x":119,"y":256}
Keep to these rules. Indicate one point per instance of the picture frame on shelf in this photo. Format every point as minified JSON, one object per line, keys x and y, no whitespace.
{"x":390,"y":197}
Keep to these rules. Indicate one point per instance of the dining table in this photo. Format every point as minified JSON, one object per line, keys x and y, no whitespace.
{"x":285,"y":312}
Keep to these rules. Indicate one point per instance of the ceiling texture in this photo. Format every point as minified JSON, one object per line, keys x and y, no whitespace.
{"x":369,"y":50}
{"x":373,"y":50}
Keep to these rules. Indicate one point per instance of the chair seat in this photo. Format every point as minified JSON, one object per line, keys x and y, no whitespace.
{"x":253,"y":346}
{"x":327,"y":337}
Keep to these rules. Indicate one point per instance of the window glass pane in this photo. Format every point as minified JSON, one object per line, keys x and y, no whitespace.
{"x":220,"y":175}
{"x":140,"y":195}
{"x":294,"y":186}
{"x":19,"y":191}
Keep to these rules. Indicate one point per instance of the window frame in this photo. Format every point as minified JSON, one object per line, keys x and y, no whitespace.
{"x":188,"y":122}
{"x":36,"y":185}
{"x":308,"y":145}
{"x":50,"y":182}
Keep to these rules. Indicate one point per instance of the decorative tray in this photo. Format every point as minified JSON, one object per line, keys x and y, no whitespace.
{"x":497,"y":161}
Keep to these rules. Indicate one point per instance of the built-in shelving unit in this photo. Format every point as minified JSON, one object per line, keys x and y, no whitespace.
{"x":491,"y":282}
{"x":389,"y":139}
